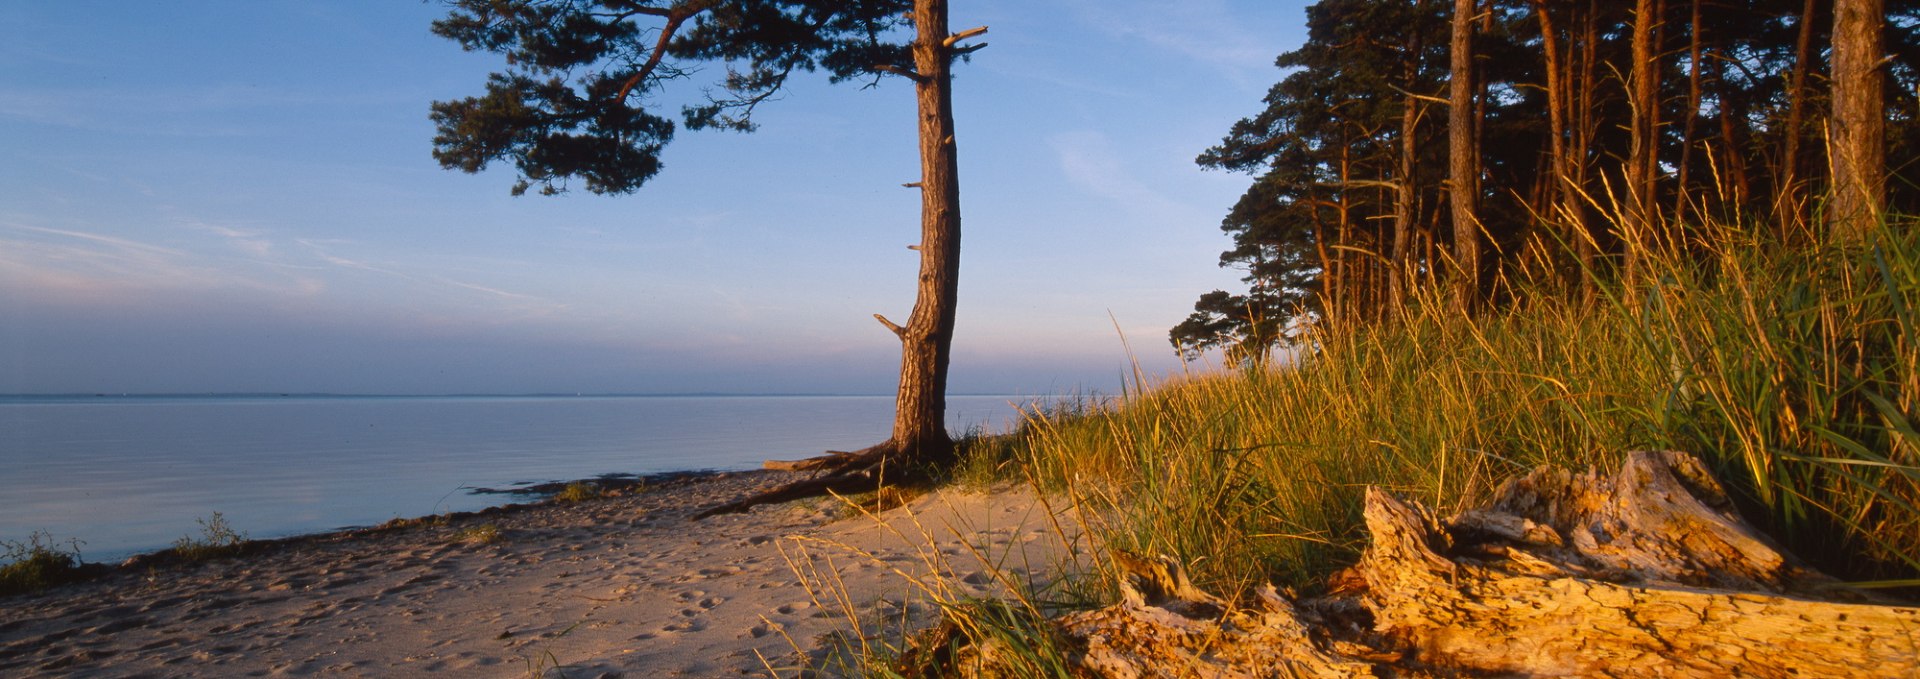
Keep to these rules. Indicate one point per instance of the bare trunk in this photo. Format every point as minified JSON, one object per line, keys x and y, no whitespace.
{"x":1581,"y":141}
{"x":1343,"y":235}
{"x":1642,"y":91}
{"x":1789,"y":210}
{"x":1858,"y":130}
{"x":1398,"y":276}
{"x":1563,"y":200}
{"x":1681,"y":196}
{"x":1463,"y":157}
{"x":926,"y":342}
{"x":919,"y":421}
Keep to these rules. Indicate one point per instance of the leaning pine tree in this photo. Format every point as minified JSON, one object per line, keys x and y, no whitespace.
{"x":556,"y":125}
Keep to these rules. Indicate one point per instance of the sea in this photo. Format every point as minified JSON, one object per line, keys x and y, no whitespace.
{"x":132,"y":474}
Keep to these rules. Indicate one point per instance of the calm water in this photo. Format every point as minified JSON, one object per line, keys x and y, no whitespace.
{"x":127,"y":475}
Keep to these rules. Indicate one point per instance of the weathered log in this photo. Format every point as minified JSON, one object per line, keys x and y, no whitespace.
{"x":1166,"y":627}
{"x":1650,"y":574}
{"x":1645,"y":573}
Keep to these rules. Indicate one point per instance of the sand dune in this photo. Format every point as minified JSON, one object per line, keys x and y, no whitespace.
{"x":625,"y":586}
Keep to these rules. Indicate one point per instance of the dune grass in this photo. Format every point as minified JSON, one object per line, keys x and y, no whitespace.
{"x":1789,"y":367}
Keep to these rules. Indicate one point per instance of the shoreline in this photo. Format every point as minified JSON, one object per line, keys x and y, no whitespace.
{"x":623,"y":585}
{"x":536,"y":496}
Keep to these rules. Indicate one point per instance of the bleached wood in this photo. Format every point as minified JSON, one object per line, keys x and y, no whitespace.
{"x":1647,"y":572}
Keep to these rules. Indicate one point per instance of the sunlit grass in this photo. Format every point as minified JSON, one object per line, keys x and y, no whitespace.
{"x":1790,"y":368}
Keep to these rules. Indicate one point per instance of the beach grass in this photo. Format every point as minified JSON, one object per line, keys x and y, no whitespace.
{"x":1788,"y":364}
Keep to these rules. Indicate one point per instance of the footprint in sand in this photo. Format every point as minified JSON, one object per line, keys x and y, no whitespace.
{"x":694,"y":625}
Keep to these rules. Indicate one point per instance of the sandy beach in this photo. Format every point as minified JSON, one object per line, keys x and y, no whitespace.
{"x":616,"y":587}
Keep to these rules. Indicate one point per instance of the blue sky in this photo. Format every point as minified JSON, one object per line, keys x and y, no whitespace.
{"x":239,"y":196}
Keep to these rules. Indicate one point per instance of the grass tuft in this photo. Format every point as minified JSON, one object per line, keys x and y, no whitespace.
{"x":217,"y":540}
{"x":483,"y":534}
{"x":578,"y":491}
{"x":37,"y":563}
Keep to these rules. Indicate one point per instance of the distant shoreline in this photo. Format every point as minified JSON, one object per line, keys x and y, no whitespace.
{"x":326,"y":395}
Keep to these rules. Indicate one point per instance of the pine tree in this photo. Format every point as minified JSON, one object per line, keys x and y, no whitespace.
{"x":576,"y":99}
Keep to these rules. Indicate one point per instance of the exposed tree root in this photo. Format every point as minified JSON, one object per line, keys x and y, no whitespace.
{"x":840,"y":473}
{"x":1645,"y":573}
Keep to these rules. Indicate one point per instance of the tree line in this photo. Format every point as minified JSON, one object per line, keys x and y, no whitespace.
{"x":1465,"y":146}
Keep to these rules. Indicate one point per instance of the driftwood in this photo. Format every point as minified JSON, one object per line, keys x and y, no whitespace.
{"x":1645,"y":573}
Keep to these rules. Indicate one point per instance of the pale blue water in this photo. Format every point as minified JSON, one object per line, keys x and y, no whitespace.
{"x":131,"y":474}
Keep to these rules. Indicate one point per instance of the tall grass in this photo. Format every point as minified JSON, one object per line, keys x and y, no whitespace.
{"x":1791,"y":369}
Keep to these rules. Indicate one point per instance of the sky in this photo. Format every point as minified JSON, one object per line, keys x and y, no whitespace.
{"x":239,"y":196}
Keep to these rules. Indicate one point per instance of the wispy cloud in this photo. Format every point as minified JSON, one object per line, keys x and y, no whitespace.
{"x":252,"y":242}
{"x":1088,"y":160}
{"x":1207,"y":31}
{"x":82,"y":265}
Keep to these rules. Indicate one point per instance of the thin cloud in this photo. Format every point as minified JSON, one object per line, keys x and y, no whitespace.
{"x":252,"y":242}
{"x":1207,"y":31}
{"x":121,"y":243}
{"x":1089,"y":161}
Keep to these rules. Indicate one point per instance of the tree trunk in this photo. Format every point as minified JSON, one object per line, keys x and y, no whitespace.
{"x":1681,"y":196}
{"x":1563,"y":199}
{"x":1463,"y":157}
{"x":1584,"y":127}
{"x":1789,"y":210}
{"x":1858,"y":130}
{"x":1642,"y":96}
{"x":926,"y":343}
{"x":1405,"y":192}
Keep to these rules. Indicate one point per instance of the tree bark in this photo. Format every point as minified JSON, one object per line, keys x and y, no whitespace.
{"x":1399,"y":276}
{"x":1682,"y":198}
{"x":1463,"y":176}
{"x":1858,"y":130}
{"x":1643,"y":92}
{"x":1789,"y":210}
{"x":1563,"y":200}
{"x":926,"y":343}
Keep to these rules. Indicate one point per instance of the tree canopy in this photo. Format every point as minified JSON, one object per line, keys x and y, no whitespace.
{"x":576,"y":97}
{"x":1349,"y":207}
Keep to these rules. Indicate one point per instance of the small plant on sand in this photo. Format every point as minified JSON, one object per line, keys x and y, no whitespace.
{"x":217,"y":539}
{"x":38,"y":563}
{"x":483,"y":534}
{"x":577,"y":491}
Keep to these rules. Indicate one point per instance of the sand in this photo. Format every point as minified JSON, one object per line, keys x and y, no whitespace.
{"x":618,"y":587}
